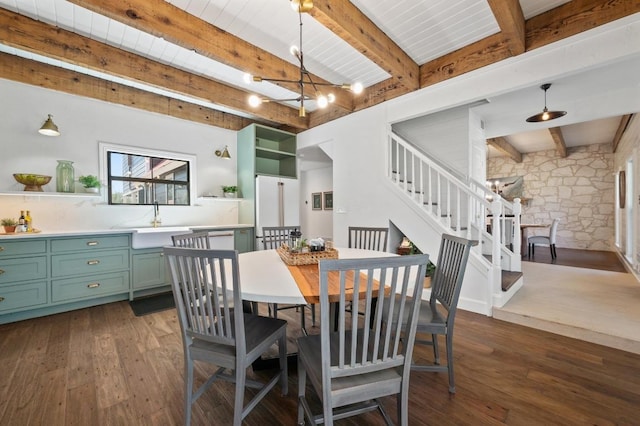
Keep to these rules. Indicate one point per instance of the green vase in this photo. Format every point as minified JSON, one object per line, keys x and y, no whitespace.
{"x":65,"y":180}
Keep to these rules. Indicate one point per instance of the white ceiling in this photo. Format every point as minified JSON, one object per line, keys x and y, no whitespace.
{"x":424,"y":29}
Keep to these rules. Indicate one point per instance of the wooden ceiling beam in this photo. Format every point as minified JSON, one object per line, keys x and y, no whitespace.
{"x":27,"y":34}
{"x":510,"y":19}
{"x":505,"y":148}
{"x":50,"y":77}
{"x":472,"y":57}
{"x":622,"y":127}
{"x":354,"y":27}
{"x":556,"y":24}
{"x":573,"y":18}
{"x":558,"y":140}
{"x":162,"y":19}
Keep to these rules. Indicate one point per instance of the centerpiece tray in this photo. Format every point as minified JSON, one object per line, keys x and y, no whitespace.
{"x":305,"y":258}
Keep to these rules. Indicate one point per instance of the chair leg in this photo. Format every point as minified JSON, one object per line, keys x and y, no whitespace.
{"x":238,"y":405}
{"x":275,"y":310}
{"x":436,"y":351}
{"x":529,"y":250}
{"x":553,"y":251}
{"x":302,"y":384}
{"x":188,"y":389}
{"x":284,"y":375}
{"x":452,"y":385}
{"x":313,"y":315}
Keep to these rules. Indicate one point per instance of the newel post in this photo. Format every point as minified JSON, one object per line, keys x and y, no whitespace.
{"x":517,"y":234}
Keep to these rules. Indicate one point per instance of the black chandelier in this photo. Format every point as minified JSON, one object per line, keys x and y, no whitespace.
{"x":309,"y":90}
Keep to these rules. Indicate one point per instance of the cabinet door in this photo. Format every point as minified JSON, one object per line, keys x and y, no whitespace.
{"x":149,"y":270}
{"x":243,"y":239}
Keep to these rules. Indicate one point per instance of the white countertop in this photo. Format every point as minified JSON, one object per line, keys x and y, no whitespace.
{"x":80,"y":232}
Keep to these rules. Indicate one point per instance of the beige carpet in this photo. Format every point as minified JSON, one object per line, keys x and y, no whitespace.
{"x":597,"y":306}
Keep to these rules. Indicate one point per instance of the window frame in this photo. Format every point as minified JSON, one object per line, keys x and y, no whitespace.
{"x":106,"y":148}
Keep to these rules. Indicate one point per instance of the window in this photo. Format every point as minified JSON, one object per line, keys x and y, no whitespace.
{"x":135,"y":178}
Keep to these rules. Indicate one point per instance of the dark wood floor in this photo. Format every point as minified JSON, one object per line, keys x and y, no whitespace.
{"x":104,"y":366}
{"x":591,"y":259}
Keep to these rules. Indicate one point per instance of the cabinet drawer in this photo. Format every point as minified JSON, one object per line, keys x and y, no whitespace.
{"x":23,"y":269}
{"x":87,"y":263}
{"x":14,"y":297}
{"x":89,"y":243}
{"x":24,"y":247}
{"x":87,"y":287}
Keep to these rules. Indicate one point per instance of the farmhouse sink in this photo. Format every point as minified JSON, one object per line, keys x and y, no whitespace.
{"x":147,"y":237}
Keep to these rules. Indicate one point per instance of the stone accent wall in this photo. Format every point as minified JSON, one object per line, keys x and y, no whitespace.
{"x":578,"y":189}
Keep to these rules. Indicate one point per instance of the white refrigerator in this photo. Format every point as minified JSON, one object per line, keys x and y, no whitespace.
{"x":277,"y":203}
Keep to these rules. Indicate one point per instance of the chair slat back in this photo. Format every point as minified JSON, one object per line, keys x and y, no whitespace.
{"x":368,"y":238}
{"x":192,"y":240}
{"x":206,"y":286}
{"x":274,"y":236}
{"x":449,"y":274}
{"x":358,"y":349}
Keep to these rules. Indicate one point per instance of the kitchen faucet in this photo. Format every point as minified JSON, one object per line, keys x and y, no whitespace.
{"x":156,"y":215}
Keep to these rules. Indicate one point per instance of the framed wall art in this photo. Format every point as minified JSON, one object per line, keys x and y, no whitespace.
{"x":328,"y":200}
{"x":316,"y":201}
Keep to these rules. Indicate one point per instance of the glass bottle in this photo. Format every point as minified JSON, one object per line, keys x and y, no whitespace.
{"x":27,"y":221}
{"x":65,"y":176}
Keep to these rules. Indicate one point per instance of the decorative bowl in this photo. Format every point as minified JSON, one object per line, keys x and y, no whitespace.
{"x":32,"y":182}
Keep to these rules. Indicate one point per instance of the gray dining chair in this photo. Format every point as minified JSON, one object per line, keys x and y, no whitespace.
{"x":272,"y":238}
{"x":206,"y":286}
{"x":351,"y":369}
{"x":437,"y":316}
{"x":544,"y":240}
{"x":368,"y":238}
{"x":192,"y":240}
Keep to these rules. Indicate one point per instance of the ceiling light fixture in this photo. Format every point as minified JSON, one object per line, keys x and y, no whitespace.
{"x":224,"y":153}
{"x":305,"y":80}
{"x":49,"y":128}
{"x":546,"y":115}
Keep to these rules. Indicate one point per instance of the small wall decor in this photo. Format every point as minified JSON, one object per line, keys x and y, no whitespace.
{"x":622,"y":188}
{"x":316,"y":201}
{"x":328,"y":200}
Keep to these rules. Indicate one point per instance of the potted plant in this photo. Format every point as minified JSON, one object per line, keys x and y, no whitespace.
{"x":90,"y":183}
{"x":9,"y":225}
{"x":230,"y":191}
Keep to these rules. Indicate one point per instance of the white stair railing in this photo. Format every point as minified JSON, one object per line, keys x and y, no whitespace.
{"x":461,"y":208}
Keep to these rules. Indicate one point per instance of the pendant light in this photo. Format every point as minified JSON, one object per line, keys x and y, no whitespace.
{"x":49,"y":128}
{"x":546,"y":115}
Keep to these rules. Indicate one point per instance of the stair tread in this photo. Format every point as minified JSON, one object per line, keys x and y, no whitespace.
{"x":509,"y":278}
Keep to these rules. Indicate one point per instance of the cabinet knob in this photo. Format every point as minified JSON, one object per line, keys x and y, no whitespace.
{"x":1,"y":248}
{"x":92,"y":243}
{"x":1,"y":299}
{"x":93,"y":285}
{"x":1,"y":271}
{"x":92,"y":262}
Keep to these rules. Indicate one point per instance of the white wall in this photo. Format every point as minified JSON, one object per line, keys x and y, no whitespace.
{"x":443,"y":136}
{"x":315,"y":223}
{"x":84,"y":123}
{"x":629,"y":149}
{"x":361,"y":194}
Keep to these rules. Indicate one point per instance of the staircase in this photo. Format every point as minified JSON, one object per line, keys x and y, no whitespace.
{"x":450,"y":205}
